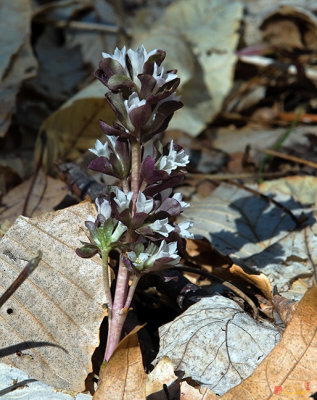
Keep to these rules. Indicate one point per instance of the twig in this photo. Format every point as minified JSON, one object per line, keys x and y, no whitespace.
{"x":24,"y":274}
{"x":83,"y":26}
{"x":243,"y":175}
{"x":290,"y":158}
{"x":266,"y":62}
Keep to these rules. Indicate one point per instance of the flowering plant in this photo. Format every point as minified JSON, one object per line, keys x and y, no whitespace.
{"x":135,"y":217}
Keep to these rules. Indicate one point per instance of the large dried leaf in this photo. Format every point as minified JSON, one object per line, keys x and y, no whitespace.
{"x":200,"y":39}
{"x":216,"y":343}
{"x":123,"y":377}
{"x":74,"y":128}
{"x":50,"y":327}
{"x":17,"y":62}
{"x":256,"y":232}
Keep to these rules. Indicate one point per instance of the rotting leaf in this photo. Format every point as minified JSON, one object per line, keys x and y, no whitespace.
{"x":49,"y":328}
{"x":123,"y":376}
{"x":216,"y":343}
{"x":74,"y":127}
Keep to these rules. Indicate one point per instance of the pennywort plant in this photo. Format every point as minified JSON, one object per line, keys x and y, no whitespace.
{"x":136,"y":217}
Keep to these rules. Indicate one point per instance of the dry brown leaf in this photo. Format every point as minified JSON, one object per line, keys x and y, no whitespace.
{"x":123,"y":377}
{"x":289,"y":371}
{"x":49,"y":328}
{"x":261,"y":281}
{"x":46,"y":194}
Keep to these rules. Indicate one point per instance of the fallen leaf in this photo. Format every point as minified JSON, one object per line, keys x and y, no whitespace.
{"x":302,"y":188}
{"x":17,"y":62}
{"x":260,"y":281}
{"x":162,"y":374}
{"x":200,"y":39}
{"x":288,"y":371}
{"x":49,"y":328}
{"x":16,"y":385}
{"x":123,"y":376}
{"x":206,"y":341}
{"x":74,"y":127}
{"x":46,"y":194}
{"x":256,"y":232}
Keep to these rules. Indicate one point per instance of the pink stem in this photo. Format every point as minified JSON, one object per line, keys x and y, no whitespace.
{"x":119,"y":313}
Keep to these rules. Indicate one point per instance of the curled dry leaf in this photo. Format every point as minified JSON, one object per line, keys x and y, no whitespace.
{"x":123,"y":376}
{"x":260,"y":281}
{"x":285,"y":308}
{"x":216,"y":343}
{"x":49,"y":328}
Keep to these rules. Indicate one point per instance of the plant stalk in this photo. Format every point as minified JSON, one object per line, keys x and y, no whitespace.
{"x":119,"y":313}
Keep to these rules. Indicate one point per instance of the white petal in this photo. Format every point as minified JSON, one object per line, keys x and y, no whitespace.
{"x":103,"y":208}
{"x":100,"y":149}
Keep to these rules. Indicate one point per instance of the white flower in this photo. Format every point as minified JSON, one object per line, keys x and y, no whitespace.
{"x":133,"y":102}
{"x":162,"y":227}
{"x":122,"y":199}
{"x":143,"y":205}
{"x":173,"y":160}
{"x":143,"y":259}
{"x":119,"y":55}
{"x":183,"y":226}
{"x":100,"y":149}
{"x":117,"y":233}
{"x":103,"y":208}
{"x":162,"y":77}
{"x":178,"y":197}
{"x":138,"y":58}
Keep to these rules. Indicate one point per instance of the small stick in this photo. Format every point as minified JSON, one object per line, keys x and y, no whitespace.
{"x":290,"y":158}
{"x":24,"y":274}
{"x":83,"y":26}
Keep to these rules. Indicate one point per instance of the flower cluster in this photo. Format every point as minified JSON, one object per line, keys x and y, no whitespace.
{"x":136,"y":218}
{"x":142,"y":93}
